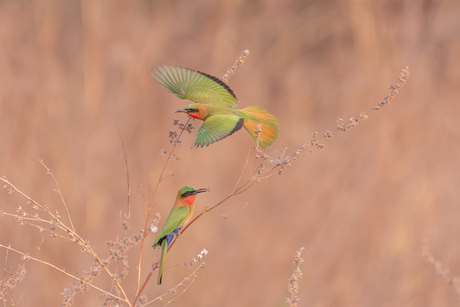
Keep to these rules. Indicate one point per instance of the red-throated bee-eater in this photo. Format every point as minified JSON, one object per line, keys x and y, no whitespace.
{"x":215,"y":104}
{"x":180,"y":214}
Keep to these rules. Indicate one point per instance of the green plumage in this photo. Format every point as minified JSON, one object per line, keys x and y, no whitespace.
{"x":217,"y":127}
{"x":215,"y":104}
{"x":180,"y":214}
{"x":175,"y":219}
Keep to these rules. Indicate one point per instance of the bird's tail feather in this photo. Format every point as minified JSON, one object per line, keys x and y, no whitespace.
{"x":164,"y":249}
{"x":270,"y":125}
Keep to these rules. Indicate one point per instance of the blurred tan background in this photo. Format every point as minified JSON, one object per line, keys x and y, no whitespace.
{"x":73,"y":74}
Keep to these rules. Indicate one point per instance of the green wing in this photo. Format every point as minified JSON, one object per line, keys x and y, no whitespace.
{"x":175,"y":219}
{"x":193,"y":85}
{"x":217,"y":127}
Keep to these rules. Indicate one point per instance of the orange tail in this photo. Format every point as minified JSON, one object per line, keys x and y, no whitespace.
{"x":270,"y":126}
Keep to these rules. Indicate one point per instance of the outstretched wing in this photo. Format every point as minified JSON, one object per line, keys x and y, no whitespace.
{"x":193,"y":85}
{"x":217,"y":127}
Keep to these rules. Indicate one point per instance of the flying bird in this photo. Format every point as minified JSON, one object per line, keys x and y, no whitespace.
{"x":180,"y":214}
{"x":215,"y":104}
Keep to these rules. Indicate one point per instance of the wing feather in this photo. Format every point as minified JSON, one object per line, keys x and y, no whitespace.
{"x":217,"y":127}
{"x":193,"y":85}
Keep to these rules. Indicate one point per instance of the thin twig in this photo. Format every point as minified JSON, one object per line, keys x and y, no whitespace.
{"x":226,"y":215}
{"x":128,"y":205}
{"x":244,"y":168}
{"x":155,"y":266}
{"x":65,"y":273}
{"x":58,"y":189}
{"x":128,"y":193}
{"x":173,"y":290}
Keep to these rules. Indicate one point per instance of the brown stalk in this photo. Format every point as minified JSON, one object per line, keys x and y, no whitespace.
{"x":150,"y":210}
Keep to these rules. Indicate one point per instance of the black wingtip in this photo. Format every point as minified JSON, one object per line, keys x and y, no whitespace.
{"x":238,"y":126}
{"x":220,"y":82}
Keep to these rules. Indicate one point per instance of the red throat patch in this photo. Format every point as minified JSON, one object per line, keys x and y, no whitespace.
{"x":189,"y":200}
{"x":194,"y":115}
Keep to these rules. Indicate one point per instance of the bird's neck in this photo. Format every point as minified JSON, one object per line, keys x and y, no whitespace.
{"x":188,"y":201}
{"x":203,"y":111}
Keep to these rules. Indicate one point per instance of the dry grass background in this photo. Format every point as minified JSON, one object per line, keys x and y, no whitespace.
{"x":74,"y":73}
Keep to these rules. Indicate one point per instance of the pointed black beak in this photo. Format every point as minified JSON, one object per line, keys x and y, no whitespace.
{"x":181,"y":111}
{"x":201,"y":191}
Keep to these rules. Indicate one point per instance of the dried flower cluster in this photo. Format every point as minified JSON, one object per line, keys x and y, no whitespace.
{"x":198,"y":257}
{"x":11,"y":280}
{"x":237,"y":63}
{"x":293,"y":285}
{"x":80,"y":286}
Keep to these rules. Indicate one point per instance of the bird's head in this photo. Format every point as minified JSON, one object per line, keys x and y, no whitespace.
{"x":196,"y":110}
{"x":187,"y":194}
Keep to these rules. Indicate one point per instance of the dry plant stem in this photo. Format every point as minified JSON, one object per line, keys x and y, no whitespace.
{"x":353,"y":121}
{"x":14,"y":278}
{"x":5,"y":282}
{"x":76,"y":238}
{"x":43,"y":208}
{"x":64,"y":272}
{"x":25,"y":220}
{"x":48,"y":171}
{"x":191,"y":277}
{"x":226,"y":215}
{"x":4,"y":268}
{"x":155,"y":266}
{"x":128,"y":205}
{"x":293,"y":285}
{"x":35,"y":219}
{"x":244,"y":168}
{"x":237,"y":63}
{"x":182,"y":292}
{"x":11,"y":300}
{"x":441,"y":270}
{"x":147,"y":221}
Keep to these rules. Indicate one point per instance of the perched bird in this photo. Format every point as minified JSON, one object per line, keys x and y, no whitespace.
{"x":180,"y":214}
{"x":215,"y":104}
